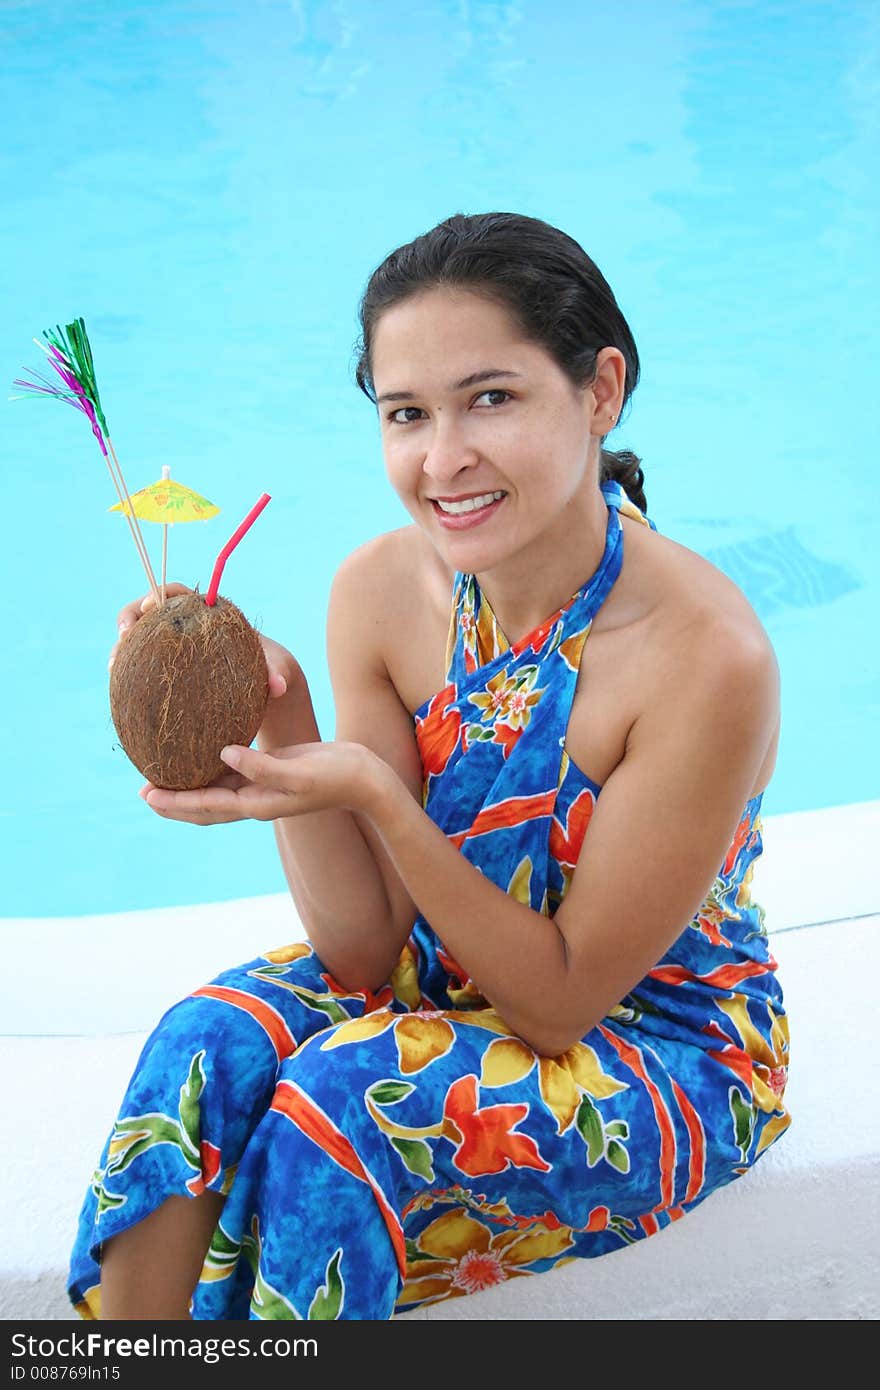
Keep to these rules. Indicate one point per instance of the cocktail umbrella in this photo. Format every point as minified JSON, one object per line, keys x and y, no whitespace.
{"x":167,"y":501}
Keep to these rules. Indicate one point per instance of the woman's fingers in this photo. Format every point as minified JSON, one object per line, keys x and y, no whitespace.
{"x":129,"y":614}
{"x":231,"y":797}
{"x":258,"y":767}
{"x":277,"y":684}
{"x":280,"y":663}
{"x":212,"y":805}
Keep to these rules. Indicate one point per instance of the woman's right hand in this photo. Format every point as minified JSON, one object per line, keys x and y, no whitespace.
{"x":282,"y":665}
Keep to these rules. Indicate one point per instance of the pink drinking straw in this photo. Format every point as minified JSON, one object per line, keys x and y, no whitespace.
{"x":211,"y":595}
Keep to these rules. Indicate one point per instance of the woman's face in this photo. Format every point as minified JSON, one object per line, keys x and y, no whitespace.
{"x":486,"y":440}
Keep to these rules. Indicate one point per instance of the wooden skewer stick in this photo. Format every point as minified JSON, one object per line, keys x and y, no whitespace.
{"x":132,"y":522}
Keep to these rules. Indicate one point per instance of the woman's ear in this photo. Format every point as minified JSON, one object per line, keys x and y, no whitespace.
{"x":607,"y":388}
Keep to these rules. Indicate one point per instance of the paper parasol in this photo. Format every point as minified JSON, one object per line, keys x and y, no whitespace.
{"x":167,"y":501}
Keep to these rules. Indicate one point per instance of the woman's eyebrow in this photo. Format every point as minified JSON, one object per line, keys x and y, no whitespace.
{"x":490,"y":373}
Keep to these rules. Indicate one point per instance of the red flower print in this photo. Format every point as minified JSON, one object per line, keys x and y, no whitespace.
{"x":739,"y":840}
{"x":487,"y":1143}
{"x":456,"y":973}
{"x":598,"y":1220}
{"x":537,"y":638}
{"x":507,"y":737}
{"x":566,"y":842}
{"x":707,"y":920}
{"x":371,"y":1001}
{"x":210,"y":1156}
{"x":437,"y":733}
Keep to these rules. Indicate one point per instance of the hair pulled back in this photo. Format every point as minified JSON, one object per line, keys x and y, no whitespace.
{"x":549,"y":284}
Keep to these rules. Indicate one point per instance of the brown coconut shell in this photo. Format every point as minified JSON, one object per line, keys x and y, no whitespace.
{"x":187,"y":680}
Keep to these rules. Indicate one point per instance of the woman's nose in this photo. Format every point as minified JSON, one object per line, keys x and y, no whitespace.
{"x":448,"y":453}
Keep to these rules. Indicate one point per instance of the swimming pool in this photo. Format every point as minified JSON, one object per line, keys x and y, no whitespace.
{"x":210,"y":184}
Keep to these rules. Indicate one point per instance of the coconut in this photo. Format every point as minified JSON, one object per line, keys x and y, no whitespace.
{"x":188,"y":679}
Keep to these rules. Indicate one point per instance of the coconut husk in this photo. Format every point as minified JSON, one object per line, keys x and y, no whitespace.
{"x":188,"y":679}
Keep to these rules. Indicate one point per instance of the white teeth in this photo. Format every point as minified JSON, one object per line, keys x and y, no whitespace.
{"x":470,"y":504}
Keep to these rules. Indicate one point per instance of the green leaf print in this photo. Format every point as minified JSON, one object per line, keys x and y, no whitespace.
{"x":141,"y":1132}
{"x":190,"y":1115}
{"x":322,"y":1004}
{"x":390,"y":1092}
{"x":267,"y":1303}
{"x":477,"y":733}
{"x":617,"y":1129}
{"x":589,"y":1123}
{"x":107,"y":1201}
{"x":617,"y":1156}
{"x":328,"y":1300}
{"x":251,"y":1248}
{"x":622,"y":1227}
{"x":743,"y":1121}
{"x":526,"y":675}
{"x":416,"y":1154}
{"x":223,"y":1251}
{"x":416,"y":1256}
{"x":626,"y":1013}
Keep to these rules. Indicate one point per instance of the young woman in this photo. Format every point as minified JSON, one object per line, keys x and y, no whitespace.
{"x":535,"y":1016}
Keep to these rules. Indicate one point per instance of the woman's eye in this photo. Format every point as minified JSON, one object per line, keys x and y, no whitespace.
{"x":409,"y":413}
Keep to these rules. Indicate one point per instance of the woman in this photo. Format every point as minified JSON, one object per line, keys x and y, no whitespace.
{"x":536,"y":1016}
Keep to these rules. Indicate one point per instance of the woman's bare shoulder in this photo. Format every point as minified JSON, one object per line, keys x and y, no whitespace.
{"x":706,"y":630}
{"x":392,"y":587}
{"x":701,"y":603}
{"x":394,"y":567}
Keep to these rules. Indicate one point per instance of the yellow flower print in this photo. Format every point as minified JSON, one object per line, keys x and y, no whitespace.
{"x":420,"y":1037}
{"x":283,"y":955}
{"x":458,"y":1255}
{"x":89,"y":1309}
{"x":359,"y":1029}
{"x":769,"y":1064}
{"x":519,"y":886}
{"x":572,"y":647}
{"x":405,"y":980}
{"x":770,"y":1060}
{"x":560,"y":1079}
{"x":509,"y":700}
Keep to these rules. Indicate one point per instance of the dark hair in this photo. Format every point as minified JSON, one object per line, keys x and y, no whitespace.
{"x":541,"y":275}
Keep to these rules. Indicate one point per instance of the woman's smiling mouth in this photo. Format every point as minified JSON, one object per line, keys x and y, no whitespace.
{"x":456,"y":513}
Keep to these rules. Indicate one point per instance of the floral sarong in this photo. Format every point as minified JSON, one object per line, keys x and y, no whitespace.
{"x":381,"y":1151}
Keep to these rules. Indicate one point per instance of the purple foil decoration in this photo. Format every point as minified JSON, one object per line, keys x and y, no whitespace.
{"x":74,"y":395}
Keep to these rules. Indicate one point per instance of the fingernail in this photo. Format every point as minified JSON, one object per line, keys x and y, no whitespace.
{"x":230,"y":756}
{"x":110,"y":663}
{"x":123,"y":625}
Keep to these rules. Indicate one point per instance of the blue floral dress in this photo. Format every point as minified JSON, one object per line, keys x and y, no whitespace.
{"x":382,"y":1151}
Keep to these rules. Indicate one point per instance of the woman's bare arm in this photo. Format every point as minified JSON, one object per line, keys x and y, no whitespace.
{"x":658,"y":835}
{"x":350,"y":899}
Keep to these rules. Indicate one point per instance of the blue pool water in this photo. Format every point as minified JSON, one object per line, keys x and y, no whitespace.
{"x":209,"y":185}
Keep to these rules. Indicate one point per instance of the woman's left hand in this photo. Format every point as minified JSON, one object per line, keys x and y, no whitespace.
{"x":289,"y":781}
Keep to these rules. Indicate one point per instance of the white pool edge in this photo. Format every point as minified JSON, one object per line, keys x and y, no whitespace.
{"x":807,"y":1207}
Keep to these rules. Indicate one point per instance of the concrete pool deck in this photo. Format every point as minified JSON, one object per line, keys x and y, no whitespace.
{"x":795,"y":1239}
